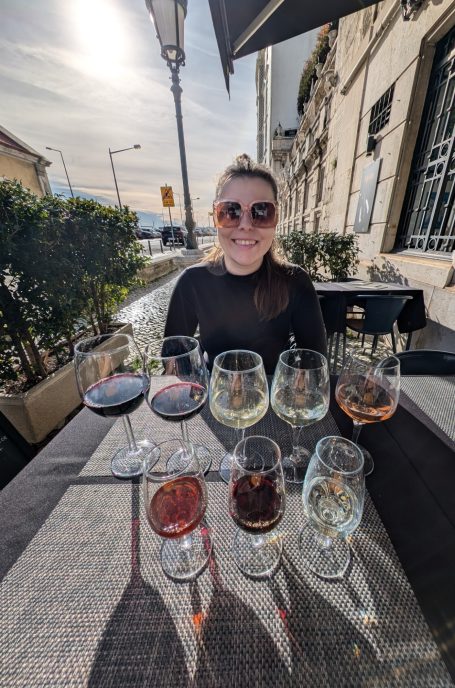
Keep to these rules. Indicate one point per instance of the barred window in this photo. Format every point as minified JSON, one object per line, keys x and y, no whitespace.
{"x":380,"y":112}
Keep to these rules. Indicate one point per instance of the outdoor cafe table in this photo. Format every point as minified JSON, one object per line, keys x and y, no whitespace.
{"x":341,"y":294}
{"x":83,"y":600}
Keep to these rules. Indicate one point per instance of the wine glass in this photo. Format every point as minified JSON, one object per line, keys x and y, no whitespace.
{"x":111,"y":382}
{"x":368,"y":390}
{"x":178,"y":385}
{"x":256,"y":504}
{"x":239,"y":395}
{"x":300,"y":396}
{"x":333,"y":497}
{"x":175,"y":500}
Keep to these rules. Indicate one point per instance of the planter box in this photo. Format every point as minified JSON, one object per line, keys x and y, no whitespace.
{"x":36,"y":412}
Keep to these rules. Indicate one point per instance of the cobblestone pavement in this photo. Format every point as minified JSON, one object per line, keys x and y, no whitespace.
{"x":146,"y":309}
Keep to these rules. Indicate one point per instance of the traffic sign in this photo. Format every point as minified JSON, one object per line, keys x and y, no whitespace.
{"x":167,"y":196}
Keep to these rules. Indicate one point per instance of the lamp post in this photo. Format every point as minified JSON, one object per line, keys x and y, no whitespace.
{"x":111,"y":153}
{"x":168,"y":16}
{"x":64,"y":166}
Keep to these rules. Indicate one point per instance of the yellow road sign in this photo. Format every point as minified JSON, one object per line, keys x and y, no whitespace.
{"x":167,"y":196}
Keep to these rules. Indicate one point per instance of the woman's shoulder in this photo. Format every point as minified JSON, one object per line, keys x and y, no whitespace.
{"x":195,"y":274}
{"x":295,"y":272}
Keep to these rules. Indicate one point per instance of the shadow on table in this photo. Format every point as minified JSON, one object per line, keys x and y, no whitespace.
{"x":140,"y":643}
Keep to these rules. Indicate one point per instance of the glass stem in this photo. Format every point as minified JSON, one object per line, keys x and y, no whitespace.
{"x":185,"y":436}
{"x":323,"y":541}
{"x":257,"y":541}
{"x":295,"y":442}
{"x":356,"y":431}
{"x":132,"y":446}
{"x":186,"y":542}
{"x":239,"y":436}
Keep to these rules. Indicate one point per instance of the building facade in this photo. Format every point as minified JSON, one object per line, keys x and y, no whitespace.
{"x":19,"y":161}
{"x":375,"y":151}
{"x":278,"y":70}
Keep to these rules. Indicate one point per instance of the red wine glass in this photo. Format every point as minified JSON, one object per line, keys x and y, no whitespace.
{"x":112,"y":383}
{"x":175,"y":500}
{"x":178,"y":385}
{"x":368,"y":390}
{"x":256,"y":504}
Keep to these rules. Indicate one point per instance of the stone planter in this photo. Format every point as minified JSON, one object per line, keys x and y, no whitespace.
{"x":44,"y":407}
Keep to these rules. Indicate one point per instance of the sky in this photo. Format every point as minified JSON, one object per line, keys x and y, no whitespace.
{"x":84,"y":76}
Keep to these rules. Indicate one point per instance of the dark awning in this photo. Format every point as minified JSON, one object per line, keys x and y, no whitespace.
{"x":243,"y":27}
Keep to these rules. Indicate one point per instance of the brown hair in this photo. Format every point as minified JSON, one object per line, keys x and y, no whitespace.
{"x":271,"y":296}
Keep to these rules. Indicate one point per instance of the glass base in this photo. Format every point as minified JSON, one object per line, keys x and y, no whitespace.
{"x":183,"y":558}
{"x":294,"y":469}
{"x":127,"y":464}
{"x":203,"y":455}
{"x":368,"y":463}
{"x":225,"y":467}
{"x":257,"y":556}
{"x":326,"y":558}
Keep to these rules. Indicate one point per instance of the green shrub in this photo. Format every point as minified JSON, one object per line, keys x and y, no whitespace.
{"x":325,"y":256}
{"x":65,"y":264}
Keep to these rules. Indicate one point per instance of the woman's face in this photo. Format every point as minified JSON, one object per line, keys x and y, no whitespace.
{"x":245,"y":246}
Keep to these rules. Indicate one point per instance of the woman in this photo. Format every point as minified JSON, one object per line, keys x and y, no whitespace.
{"x":243,"y":296}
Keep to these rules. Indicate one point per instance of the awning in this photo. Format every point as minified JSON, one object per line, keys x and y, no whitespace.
{"x":243,"y":27}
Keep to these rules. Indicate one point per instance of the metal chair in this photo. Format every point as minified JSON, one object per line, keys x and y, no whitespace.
{"x":426,"y":362}
{"x":335,"y":330}
{"x":379,"y":316}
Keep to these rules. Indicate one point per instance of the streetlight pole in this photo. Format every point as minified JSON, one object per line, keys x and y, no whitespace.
{"x":168,"y":17}
{"x":111,"y":153}
{"x":64,"y":167}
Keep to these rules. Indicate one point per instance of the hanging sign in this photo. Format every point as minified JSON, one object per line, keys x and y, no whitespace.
{"x":167,"y":196}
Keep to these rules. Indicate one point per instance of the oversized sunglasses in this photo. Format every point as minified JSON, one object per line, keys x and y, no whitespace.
{"x":228,"y":214}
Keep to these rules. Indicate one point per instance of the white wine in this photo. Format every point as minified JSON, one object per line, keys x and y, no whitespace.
{"x":333,"y":507}
{"x":299,"y":408}
{"x":239,"y":408}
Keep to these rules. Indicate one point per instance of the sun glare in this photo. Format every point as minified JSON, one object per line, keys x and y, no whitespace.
{"x":101,"y":36}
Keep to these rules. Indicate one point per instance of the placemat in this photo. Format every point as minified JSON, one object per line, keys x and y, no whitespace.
{"x":432,"y":400}
{"x":87,"y":604}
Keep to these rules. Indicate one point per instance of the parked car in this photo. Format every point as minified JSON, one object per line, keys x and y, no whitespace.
{"x":176,"y":233}
{"x":146,"y":233}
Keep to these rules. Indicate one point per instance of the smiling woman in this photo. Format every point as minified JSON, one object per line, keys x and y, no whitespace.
{"x":102,"y":37}
{"x":244,"y":296}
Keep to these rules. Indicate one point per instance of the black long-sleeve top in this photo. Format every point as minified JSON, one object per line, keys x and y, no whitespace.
{"x":222,"y":305}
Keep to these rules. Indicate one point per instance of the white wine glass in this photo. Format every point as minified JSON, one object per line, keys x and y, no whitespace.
{"x":333,"y":498}
{"x":175,"y":500}
{"x":300,"y":396}
{"x":256,"y":504}
{"x":239,"y":395}
{"x":368,"y":390}
{"x":112,"y":383}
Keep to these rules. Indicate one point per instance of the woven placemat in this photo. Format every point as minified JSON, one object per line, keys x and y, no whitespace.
{"x":432,"y":400}
{"x":87,"y":604}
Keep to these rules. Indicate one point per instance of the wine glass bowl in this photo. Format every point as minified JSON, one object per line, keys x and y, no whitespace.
{"x":112,"y":383}
{"x":238,"y":394}
{"x":256,"y":505}
{"x":178,"y":386}
{"x":333,"y":498}
{"x":300,"y":396}
{"x":175,"y":501}
{"x":368,"y":390}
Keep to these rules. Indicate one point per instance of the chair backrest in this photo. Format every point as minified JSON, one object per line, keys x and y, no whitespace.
{"x":426,"y":362}
{"x":381,"y":311}
{"x":15,"y":452}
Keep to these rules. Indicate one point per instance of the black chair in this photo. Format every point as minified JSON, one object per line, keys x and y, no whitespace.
{"x":335,"y":330}
{"x":426,"y":362}
{"x":15,"y":452}
{"x":379,"y":316}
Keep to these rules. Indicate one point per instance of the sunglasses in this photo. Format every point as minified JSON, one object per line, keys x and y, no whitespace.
{"x":228,"y":214}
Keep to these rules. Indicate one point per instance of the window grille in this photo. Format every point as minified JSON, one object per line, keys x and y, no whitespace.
{"x":380,"y":112}
{"x":427,"y":221}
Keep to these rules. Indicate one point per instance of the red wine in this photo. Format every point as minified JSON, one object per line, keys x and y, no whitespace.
{"x":116,"y":395}
{"x":179,"y":401}
{"x":256,"y":505}
{"x":177,"y":507}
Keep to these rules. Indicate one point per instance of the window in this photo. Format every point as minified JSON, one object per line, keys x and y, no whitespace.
{"x":320,"y":188}
{"x":380,"y":112}
{"x":427,"y":220}
{"x":306,"y":193}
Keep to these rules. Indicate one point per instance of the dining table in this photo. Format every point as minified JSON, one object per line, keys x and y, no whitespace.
{"x":339,"y":295}
{"x":84,"y":601}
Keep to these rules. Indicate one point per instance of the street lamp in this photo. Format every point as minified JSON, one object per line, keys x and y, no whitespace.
{"x":64,"y":166}
{"x":168,"y":16}
{"x":111,"y":153}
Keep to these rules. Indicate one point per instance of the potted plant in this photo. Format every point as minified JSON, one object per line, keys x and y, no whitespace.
{"x":327,"y":256}
{"x":64,"y":267}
